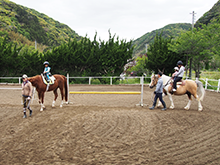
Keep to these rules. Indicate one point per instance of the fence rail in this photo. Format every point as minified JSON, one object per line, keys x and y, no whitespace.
{"x":209,"y":84}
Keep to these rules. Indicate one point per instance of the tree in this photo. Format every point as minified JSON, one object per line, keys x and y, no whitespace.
{"x":160,"y":57}
{"x":196,"y":46}
{"x":140,"y":66}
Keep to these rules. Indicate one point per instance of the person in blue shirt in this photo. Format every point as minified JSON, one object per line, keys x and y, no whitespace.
{"x":158,"y":93}
{"x":47,"y":70}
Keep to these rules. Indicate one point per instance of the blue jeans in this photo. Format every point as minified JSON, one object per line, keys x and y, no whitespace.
{"x":159,"y":95}
{"x":48,"y":78}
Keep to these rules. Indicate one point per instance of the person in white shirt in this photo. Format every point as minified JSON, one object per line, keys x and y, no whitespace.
{"x":179,"y":74}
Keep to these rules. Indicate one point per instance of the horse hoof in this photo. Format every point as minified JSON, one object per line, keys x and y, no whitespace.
{"x":200,"y":110}
{"x":186,"y":108}
{"x":61,"y":106}
{"x":171,"y":107}
{"x":41,"y":109}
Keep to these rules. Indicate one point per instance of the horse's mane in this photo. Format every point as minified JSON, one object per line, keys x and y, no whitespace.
{"x":35,"y":79}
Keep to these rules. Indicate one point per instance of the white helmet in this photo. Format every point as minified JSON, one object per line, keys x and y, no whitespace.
{"x":24,"y":76}
{"x":176,"y":68}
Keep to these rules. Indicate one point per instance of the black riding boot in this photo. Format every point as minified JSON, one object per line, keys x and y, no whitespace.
{"x":30,"y":112}
{"x":25,"y":116}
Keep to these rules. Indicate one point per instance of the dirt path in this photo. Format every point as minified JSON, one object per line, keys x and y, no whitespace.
{"x":109,"y":129}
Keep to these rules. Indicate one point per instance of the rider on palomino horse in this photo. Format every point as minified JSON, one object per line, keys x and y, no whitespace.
{"x":179,"y":74}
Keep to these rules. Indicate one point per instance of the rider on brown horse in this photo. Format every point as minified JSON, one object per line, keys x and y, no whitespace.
{"x":47,"y":71}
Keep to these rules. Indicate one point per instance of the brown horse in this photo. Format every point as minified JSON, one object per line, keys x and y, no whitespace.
{"x":190,"y":88}
{"x":41,"y":87}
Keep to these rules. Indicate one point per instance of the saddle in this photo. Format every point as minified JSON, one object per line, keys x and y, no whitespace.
{"x":180,"y":83}
{"x":52,"y":79}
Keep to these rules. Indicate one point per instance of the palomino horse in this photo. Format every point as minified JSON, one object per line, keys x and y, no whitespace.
{"x":60,"y":82}
{"x":190,"y":88}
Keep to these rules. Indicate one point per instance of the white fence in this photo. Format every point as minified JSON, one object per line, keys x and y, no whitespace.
{"x":206,"y":82}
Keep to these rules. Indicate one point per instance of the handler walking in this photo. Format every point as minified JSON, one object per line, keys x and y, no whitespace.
{"x":158,"y":93}
{"x":26,"y":94}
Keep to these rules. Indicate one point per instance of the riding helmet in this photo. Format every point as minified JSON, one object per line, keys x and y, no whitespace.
{"x":24,"y":76}
{"x":179,"y":63}
{"x":46,"y":63}
{"x":176,"y":68}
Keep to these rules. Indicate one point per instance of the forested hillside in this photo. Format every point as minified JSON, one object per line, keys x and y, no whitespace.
{"x":168,"y":31}
{"x":33,"y":25}
{"x":209,"y":16}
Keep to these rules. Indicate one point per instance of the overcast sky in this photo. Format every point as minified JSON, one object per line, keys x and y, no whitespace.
{"x":128,"y":19}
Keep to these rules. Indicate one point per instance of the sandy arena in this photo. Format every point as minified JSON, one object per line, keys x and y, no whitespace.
{"x":109,"y":129}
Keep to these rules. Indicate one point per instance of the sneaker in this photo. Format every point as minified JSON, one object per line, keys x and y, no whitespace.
{"x":151,"y":108}
{"x":164,"y":109}
{"x":25,"y":116}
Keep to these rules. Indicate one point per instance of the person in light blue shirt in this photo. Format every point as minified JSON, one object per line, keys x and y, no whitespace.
{"x":158,"y":93}
{"x":47,"y":70}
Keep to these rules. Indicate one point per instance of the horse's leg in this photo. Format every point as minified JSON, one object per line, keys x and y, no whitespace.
{"x":167,"y":89}
{"x":55,"y":97}
{"x":190,"y":101}
{"x":171,"y":100}
{"x":61,"y":91}
{"x":42,"y":101}
{"x":200,"y":108}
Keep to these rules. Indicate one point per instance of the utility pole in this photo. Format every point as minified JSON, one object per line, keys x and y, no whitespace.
{"x":193,"y":18}
{"x":190,"y":61}
{"x":35,"y":44}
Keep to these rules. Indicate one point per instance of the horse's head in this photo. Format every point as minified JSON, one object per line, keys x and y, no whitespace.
{"x":154,"y":79}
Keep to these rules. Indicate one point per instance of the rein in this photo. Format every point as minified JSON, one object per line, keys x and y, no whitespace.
{"x":167,"y":83}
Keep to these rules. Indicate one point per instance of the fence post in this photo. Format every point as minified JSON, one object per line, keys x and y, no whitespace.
{"x":206,"y":83}
{"x":67,"y":76}
{"x":110,"y":80}
{"x":90,"y":80}
{"x":19,"y":81}
{"x":142,"y":90}
{"x":218,"y":85}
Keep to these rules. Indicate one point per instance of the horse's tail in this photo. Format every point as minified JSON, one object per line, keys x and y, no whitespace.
{"x":66,"y":88}
{"x":200,"y":90}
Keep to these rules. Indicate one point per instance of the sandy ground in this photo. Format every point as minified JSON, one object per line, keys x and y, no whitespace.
{"x":109,"y":129}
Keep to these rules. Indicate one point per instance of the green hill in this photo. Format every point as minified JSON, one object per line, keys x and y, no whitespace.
{"x":209,"y":16}
{"x":168,"y":30}
{"x":33,"y":25}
